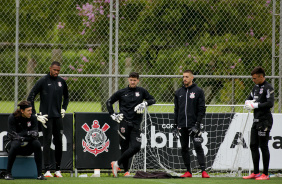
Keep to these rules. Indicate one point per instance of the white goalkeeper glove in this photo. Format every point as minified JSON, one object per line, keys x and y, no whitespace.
{"x":140,"y":107}
{"x":251,"y":104}
{"x":117,"y":117}
{"x":42,"y":119}
{"x":63,"y":112}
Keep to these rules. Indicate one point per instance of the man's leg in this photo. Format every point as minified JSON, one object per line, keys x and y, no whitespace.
{"x":184,"y":140}
{"x":13,"y":152}
{"x":124,"y":138}
{"x":263,"y":144}
{"x":197,"y":141}
{"x":36,"y":146}
{"x":134,"y":147}
{"x":47,"y":138}
{"x":254,"y":146}
{"x":58,"y":142}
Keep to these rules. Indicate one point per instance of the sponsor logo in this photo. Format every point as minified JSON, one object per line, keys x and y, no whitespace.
{"x":96,"y":140}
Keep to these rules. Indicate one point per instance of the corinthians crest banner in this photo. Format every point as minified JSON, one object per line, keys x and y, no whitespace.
{"x":96,"y":141}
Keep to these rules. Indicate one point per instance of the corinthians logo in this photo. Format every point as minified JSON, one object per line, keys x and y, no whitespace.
{"x":95,"y":140}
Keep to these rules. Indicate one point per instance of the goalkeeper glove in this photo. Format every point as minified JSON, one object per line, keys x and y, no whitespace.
{"x":140,"y":107}
{"x":196,"y":130}
{"x":34,"y":134}
{"x":42,"y":119}
{"x":16,"y":136}
{"x":117,"y":117}
{"x":63,"y":112}
{"x":250,"y":105}
{"x":176,"y":133}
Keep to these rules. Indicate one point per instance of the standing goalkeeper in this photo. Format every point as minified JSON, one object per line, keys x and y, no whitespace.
{"x":261,"y":100}
{"x":52,"y":89}
{"x":131,"y":106}
{"x":189,"y":111}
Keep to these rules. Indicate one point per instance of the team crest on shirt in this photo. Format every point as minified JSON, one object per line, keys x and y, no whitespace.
{"x":260,"y":90}
{"x":95,"y":141}
{"x":28,"y":124}
{"x":192,"y":95}
{"x":137,"y":94}
{"x":122,"y":130}
{"x":59,"y":84}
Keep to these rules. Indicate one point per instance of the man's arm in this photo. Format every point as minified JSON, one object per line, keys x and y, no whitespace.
{"x":111,"y":101}
{"x":269,"y":99}
{"x":34,"y":91}
{"x":175,"y":110}
{"x":149,"y":98}
{"x":66,"y":96}
{"x":201,"y":107}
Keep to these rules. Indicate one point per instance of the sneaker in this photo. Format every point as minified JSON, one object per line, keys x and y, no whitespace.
{"x":252,"y":176}
{"x":115,"y":168}
{"x":205,"y":175}
{"x":127,"y":174}
{"x":263,"y":177}
{"x":187,"y":174}
{"x":58,"y":174}
{"x":48,"y":174}
{"x":41,"y":177}
{"x":9,"y":177}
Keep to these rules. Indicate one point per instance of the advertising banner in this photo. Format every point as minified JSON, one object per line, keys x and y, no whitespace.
{"x":67,"y":158}
{"x":96,"y":140}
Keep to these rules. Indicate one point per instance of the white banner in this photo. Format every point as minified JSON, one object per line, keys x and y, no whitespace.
{"x":234,"y":153}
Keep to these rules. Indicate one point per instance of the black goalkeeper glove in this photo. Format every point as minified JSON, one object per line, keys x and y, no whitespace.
{"x":195,"y":131}
{"x":176,"y":133}
{"x":15,"y":136}
{"x":34,"y":134}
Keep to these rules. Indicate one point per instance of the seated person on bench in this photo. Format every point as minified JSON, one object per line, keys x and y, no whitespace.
{"x":22,"y":138}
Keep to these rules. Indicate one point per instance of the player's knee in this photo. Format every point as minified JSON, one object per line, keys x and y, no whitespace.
{"x":253,"y":146}
{"x":184,"y":150}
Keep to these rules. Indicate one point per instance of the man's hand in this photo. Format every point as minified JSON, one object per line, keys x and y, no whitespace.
{"x":176,"y":133}
{"x":63,"y":112}
{"x":42,"y":119}
{"x":34,"y":134}
{"x":140,"y":107}
{"x":16,"y":136}
{"x":117,"y":117}
{"x":196,"y":130}
{"x":250,"y":105}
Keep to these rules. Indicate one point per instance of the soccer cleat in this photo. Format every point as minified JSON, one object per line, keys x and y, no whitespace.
{"x":187,"y":174}
{"x":115,"y":168}
{"x":41,"y":177}
{"x":48,"y":174}
{"x":205,"y":175}
{"x":263,"y":177}
{"x":252,"y":176}
{"x":127,"y":174}
{"x":9,"y":177}
{"x":58,"y":174}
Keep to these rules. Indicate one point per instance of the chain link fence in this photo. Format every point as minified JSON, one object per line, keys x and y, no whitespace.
{"x":99,"y":42}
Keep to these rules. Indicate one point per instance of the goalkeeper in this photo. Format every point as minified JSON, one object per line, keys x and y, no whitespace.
{"x":189,"y":111}
{"x":52,"y":89}
{"x":131,"y":106}
{"x":22,"y":138}
{"x":261,"y":100}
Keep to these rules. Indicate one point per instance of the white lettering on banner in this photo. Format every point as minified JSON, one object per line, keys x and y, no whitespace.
{"x":2,"y":134}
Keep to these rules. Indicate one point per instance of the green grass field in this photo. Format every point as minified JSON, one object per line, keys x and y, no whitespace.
{"x":122,"y":180}
{"x":8,"y":107}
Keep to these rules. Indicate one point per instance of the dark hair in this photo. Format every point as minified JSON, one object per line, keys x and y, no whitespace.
{"x":56,"y":63}
{"x":258,"y":70}
{"x":23,"y":105}
{"x":134,"y":75}
{"x":188,"y":71}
